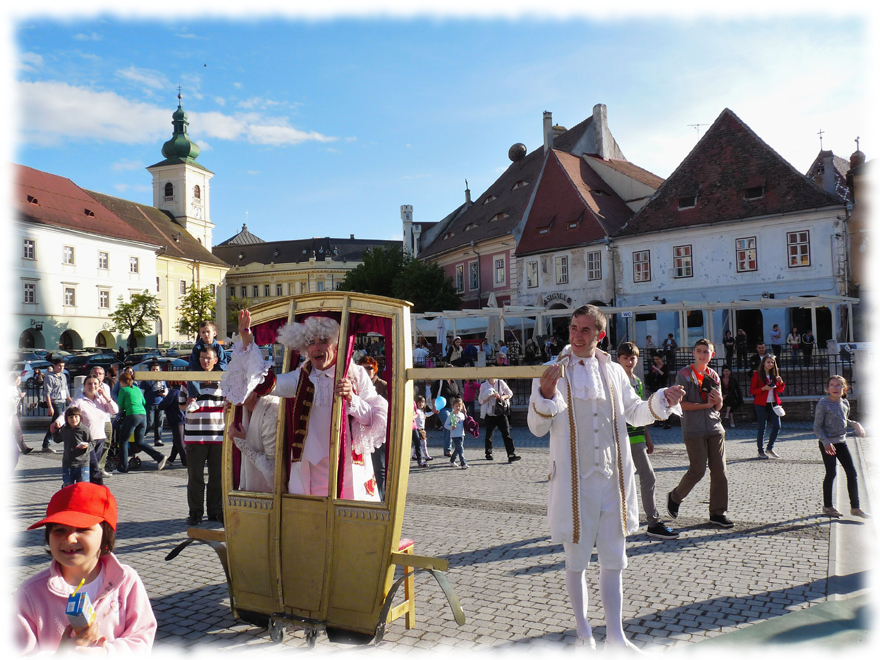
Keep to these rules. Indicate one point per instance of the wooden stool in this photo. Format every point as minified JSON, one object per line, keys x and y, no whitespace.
{"x":408,"y":606}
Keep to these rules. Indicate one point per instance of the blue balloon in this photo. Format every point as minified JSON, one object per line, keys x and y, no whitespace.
{"x":440,"y":402}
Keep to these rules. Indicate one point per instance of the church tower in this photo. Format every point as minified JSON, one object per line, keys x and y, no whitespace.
{"x":181,"y":185}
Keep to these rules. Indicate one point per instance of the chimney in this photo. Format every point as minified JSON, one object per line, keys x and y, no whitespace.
{"x":600,"y":130}
{"x":829,"y":182}
{"x":548,"y":131}
{"x":352,"y":237}
{"x":467,"y":194}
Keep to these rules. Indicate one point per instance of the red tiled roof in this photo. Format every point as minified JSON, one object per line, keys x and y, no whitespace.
{"x":476,"y":222}
{"x":571,"y":193}
{"x":61,"y":203}
{"x":729,"y":158}
{"x":630,"y":170}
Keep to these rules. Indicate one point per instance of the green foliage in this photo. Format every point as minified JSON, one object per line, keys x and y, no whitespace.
{"x":196,"y":306}
{"x":234,"y":306}
{"x":136,"y":316}
{"x":393,"y":273}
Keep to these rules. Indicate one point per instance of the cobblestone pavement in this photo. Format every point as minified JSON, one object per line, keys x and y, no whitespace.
{"x":490,"y":523}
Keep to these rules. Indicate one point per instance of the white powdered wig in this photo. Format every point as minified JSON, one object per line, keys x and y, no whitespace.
{"x":298,"y":335}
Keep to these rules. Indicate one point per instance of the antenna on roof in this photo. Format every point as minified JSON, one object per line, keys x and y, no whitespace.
{"x":696,"y":127}
{"x":820,"y":134}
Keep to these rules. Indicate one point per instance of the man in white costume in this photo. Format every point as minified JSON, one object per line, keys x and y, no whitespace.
{"x":318,"y":337}
{"x":592,"y":498}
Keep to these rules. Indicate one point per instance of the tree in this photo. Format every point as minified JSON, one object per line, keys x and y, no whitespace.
{"x":233,"y":307}
{"x":136,"y":316}
{"x":195,"y":306}
{"x":376,"y":274}
{"x":391,"y":272}
{"x":426,"y":286}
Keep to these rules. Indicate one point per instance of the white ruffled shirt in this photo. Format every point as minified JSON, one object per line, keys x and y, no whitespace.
{"x":585,"y":379}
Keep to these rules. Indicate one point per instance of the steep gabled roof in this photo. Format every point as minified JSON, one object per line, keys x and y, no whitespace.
{"x":244,"y":237}
{"x":572,"y":206}
{"x":629,"y":169}
{"x":500,"y":208}
{"x":52,"y":200}
{"x":160,"y":227}
{"x":298,"y":251}
{"x":728,"y":160}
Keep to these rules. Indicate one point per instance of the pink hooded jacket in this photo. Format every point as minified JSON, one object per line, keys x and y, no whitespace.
{"x":125,"y":616}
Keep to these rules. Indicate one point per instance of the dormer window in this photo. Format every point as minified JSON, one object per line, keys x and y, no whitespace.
{"x":470,"y":226}
{"x":755,"y":192}
{"x":169,"y":192}
{"x":687,"y":202}
{"x":449,"y":234}
{"x":490,"y":198}
{"x":89,"y":213}
{"x":499,"y":216}
{"x":33,"y":200}
{"x":574,"y":225}
{"x":520,"y":184}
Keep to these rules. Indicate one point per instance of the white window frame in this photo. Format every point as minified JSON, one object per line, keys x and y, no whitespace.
{"x":532,"y":274}
{"x":682,"y":261}
{"x":499,"y":267}
{"x":743,"y":247}
{"x":244,"y":291}
{"x":29,"y":249}
{"x":641,"y":266}
{"x":68,"y":255}
{"x":255,"y":289}
{"x":104,"y":260}
{"x":474,"y":275}
{"x":134,"y":265}
{"x":71,"y":300}
{"x":320,"y":285}
{"x":459,"y":278}
{"x":103,"y":299}
{"x":266,"y":290}
{"x":279,"y":289}
{"x":29,"y":288}
{"x":561,"y":268}
{"x":182,"y":288}
{"x":594,"y":265}
{"x":797,"y":244}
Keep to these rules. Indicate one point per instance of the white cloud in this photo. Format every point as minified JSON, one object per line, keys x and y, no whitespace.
{"x":30,"y":62}
{"x":186,"y":35}
{"x":58,"y":112}
{"x":94,"y":36}
{"x":126,"y":165}
{"x":125,"y":187}
{"x":351,"y":139}
{"x":254,"y":172}
{"x":219,"y":100}
{"x":249,"y":104}
{"x":237,"y":85}
{"x":148,"y":78}
{"x":331,"y":150}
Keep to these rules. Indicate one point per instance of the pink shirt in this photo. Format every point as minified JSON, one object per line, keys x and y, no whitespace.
{"x":125,"y":617}
{"x":94,"y":415}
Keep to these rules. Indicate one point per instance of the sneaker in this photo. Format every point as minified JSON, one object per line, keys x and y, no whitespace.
{"x":452,"y":461}
{"x":429,"y":458}
{"x":489,"y":457}
{"x":721,"y":520}
{"x":27,"y":450}
{"x":858,"y":513}
{"x":48,"y":450}
{"x":158,"y":443}
{"x":465,"y":466}
{"x":773,"y":454}
{"x":162,"y":462}
{"x":423,"y":464}
{"x":193,"y":520}
{"x":513,"y":458}
{"x":106,"y":474}
{"x":671,"y":506}
{"x":762,"y":454}
{"x":831,"y":511}
{"x":661,"y":531}
{"x":732,"y":424}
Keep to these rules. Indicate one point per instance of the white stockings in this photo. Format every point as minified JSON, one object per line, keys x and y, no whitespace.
{"x":611,"y":593}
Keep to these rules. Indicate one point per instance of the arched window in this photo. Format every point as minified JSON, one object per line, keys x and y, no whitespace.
{"x":197,"y":192}
{"x":169,"y":191}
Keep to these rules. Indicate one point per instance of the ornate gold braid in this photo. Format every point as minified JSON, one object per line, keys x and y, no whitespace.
{"x":540,"y":414}
{"x":651,"y":408}
{"x":575,"y":479}
{"x":619,"y":458}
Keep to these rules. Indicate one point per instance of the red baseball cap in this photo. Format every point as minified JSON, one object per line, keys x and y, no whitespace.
{"x":81,"y":505}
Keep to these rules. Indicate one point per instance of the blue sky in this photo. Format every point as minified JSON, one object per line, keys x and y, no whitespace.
{"x":325,"y":127}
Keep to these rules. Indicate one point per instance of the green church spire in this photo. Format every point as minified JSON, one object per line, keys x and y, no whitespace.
{"x":180,"y":146}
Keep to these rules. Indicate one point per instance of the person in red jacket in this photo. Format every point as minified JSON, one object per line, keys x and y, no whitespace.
{"x":766,"y":386}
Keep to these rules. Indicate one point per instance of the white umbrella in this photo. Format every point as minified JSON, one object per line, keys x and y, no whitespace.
{"x":441,"y":334}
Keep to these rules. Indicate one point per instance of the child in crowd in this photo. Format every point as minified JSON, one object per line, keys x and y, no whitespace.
{"x":81,"y":533}
{"x":455,"y":425}
{"x":207,"y":337}
{"x":78,"y":445}
{"x":640,"y":446}
{"x":832,"y":420}
{"x":420,"y":436}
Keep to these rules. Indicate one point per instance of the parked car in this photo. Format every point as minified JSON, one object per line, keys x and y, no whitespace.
{"x":141,"y":354}
{"x":169,"y":352}
{"x":100,"y":349}
{"x":81,"y":365}
{"x":26,"y":371}
{"x":166,"y":364}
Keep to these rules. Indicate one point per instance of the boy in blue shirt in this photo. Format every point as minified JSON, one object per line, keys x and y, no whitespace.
{"x":207,"y":337}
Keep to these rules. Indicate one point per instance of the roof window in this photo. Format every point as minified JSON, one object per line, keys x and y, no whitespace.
{"x":490,"y":198}
{"x":472,"y":225}
{"x":755,"y":192}
{"x":33,"y":200}
{"x":687,"y":202}
{"x":520,"y":184}
{"x":449,"y":234}
{"x":499,"y":216}
{"x":89,"y":213}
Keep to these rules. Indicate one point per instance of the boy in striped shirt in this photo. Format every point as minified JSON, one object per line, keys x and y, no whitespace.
{"x":203,"y":438}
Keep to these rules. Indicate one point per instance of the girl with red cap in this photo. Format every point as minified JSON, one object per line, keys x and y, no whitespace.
{"x":81,"y":533}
